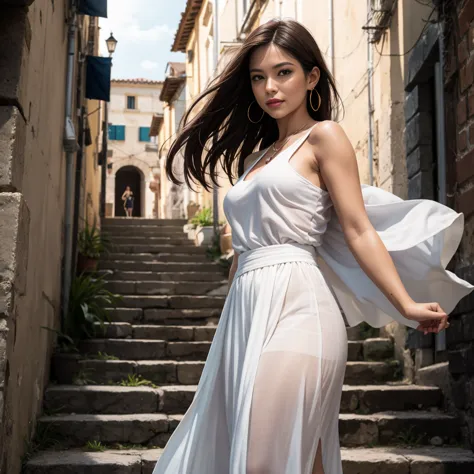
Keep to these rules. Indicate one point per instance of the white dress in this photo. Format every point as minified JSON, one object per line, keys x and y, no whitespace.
{"x":272,"y":382}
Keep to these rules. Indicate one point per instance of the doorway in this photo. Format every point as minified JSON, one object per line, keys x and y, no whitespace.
{"x":128,"y":176}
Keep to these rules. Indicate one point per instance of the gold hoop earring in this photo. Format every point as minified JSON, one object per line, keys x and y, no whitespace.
{"x":311,"y":100}
{"x":248,"y":114}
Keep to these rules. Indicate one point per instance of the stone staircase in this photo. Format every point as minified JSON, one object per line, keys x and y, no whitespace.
{"x":113,"y":407}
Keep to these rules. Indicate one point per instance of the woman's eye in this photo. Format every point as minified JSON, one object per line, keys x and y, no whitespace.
{"x":285,"y":72}
{"x":256,"y":78}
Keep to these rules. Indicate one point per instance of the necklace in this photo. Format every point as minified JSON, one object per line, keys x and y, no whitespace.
{"x":276,"y":150}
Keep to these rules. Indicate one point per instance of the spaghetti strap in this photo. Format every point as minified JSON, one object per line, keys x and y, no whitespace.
{"x":288,"y":152}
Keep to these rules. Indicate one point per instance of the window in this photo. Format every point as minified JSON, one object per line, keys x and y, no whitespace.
{"x":117,"y":132}
{"x":130,"y":102}
{"x":144,"y":134}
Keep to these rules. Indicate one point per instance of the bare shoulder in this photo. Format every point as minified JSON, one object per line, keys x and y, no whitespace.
{"x":326,"y":130}
{"x":328,"y":138}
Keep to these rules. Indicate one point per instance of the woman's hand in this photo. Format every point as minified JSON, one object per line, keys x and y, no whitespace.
{"x":430,"y":316}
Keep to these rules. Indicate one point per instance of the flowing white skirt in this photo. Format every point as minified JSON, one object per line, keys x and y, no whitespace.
{"x":272,"y":382}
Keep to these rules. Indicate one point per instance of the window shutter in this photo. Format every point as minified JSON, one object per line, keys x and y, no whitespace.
{"x":144,"y":133}
{"x":120,"y":132}
{"x":112,"y":132}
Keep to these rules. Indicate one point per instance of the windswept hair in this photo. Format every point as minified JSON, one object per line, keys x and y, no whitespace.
{"x":221,"y":131}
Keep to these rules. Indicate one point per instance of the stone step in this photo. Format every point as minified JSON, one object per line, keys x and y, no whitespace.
{"x":165,"y":287}
{"x":164,"y":276}
{"x":67,"y":367}
{"x":161,"y":266}
{"x":152,"y":331}
{"x":176,"y":399}
{"x":153,"y":429}
{"x":397,"y":427}
{"x":389,"y":460}
{"x":169,"y":230}
{"x":147,"y":429}
{"x":157,"y":250}
{"x":181,"y":240}
{"x":110,"y":400}
{"x":172,"y":301}
{"x":200,"y":316}
{"x":366,"y":399}
{"x":370,"y":349}
{"x":143,"y":349}
{"x":371,"y":373}
{"x":140,"y":221}
{"x":154,"y":248}
{"x":181,"y":257}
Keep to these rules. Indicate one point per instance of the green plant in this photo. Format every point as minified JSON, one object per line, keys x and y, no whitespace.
{"x":96,"y":446}
{"x":45,"y":437}
{"x":409,"y":437}
{"x":134,"y":380}
{"x":203,"y":218}
{"x":91,"y":243}
{"x":104,"y":356}
{"x":82,"y":378}
{"x":88,"y":301}
{"x":64,"y":343}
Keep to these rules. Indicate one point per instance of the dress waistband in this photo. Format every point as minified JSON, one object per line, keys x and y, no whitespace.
{"x":275,"y":254}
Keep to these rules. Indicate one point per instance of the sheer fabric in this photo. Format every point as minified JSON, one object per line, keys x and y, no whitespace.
{"x":271,"y":386}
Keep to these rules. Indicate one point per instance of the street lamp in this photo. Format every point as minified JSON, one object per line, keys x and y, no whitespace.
{"x":111,"y":45}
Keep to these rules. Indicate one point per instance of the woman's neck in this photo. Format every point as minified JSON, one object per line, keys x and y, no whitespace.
{"x":293,"y":123}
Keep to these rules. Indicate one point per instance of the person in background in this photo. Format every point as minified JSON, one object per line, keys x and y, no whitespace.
{"x":127,"y":198}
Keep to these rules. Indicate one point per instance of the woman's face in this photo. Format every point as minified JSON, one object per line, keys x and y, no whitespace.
{"x":278,"y":81}
{"x":127,"y":188}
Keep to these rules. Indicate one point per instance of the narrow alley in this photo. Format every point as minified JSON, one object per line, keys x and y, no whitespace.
{"x":114,"y":276}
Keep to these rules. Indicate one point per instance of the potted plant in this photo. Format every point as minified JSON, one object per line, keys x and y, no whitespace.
{"x":203,"y":220}
{"x":91,"y":244}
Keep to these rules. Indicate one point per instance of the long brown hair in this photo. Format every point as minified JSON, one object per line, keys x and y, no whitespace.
{"x":221,"y":130}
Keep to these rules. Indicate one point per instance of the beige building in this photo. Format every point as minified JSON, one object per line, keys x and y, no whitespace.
{"x":173,"y":199}
{"x":39,"y":171}
{"x":133,"y":154}
{"x":195,"y":38}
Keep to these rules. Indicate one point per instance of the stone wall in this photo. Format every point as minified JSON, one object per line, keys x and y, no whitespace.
{"x":33,"y":35}
{"x":31,"y":185}
{"x":460,"y":110}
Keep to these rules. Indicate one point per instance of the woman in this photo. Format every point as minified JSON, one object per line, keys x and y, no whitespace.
{"x":127,"y":198}
{"x":303,"y":230}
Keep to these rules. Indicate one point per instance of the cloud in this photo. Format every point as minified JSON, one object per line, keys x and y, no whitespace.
{"x":147,"y":64}
{"x":127,"y":21}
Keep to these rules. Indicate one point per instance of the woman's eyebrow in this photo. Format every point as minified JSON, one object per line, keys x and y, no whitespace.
{"x":286,"y":63}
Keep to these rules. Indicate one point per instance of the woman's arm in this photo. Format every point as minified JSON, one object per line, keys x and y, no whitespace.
{"x":338,"y":167}
{"x":233,"y":269}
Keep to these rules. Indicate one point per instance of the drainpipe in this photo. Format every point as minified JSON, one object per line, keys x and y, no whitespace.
{"x":331,"y":34}
{"x":215,"y":189}
{"x":70,"y":146}
{"x":440,"y":339}
{"x":370,"y":87}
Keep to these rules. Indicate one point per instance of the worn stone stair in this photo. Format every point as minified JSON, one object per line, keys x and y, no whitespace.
{"x":172,"y":297}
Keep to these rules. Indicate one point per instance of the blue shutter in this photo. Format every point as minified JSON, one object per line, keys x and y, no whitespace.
{"x":144,"y":134}
{"x":112,"y":132}
{"x":120,"y":132}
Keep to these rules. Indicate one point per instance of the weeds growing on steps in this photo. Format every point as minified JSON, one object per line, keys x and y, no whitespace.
{"x":134,"y":380}
{"x":45,"y":437}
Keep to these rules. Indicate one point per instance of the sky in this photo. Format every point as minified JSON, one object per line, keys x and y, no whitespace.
{"x":145,"y":31}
